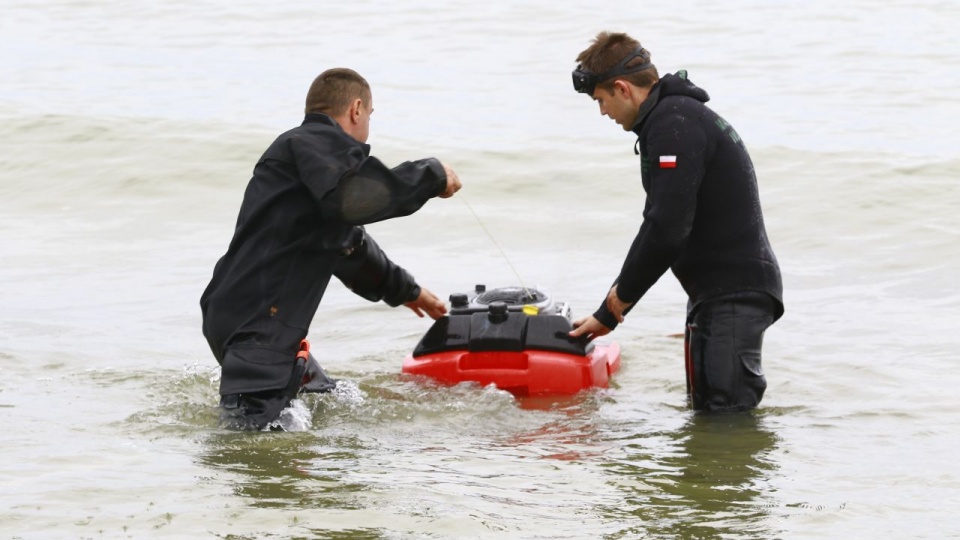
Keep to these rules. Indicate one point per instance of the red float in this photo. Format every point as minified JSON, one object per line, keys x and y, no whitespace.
{"x":516,"y":339}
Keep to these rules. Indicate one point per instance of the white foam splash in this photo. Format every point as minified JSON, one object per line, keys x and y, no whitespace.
{"x":348,"y":392}
{"x":202,"y":369}
{"x":296,"y":417}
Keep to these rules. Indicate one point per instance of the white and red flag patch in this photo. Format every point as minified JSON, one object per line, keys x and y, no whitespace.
{"x":668,"y":162}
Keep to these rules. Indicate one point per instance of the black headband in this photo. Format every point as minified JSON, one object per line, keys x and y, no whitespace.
{"x":585,"y":81}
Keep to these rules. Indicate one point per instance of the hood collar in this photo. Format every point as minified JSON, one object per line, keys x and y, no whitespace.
{"x":648,"y":104}
{"x":320,"y":118}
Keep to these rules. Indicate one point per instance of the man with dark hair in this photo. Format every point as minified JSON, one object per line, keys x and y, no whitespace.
{"x":301,"y":222}
{"x":701,"y":218}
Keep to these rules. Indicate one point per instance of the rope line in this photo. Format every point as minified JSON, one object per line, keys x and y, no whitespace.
{"x":494,"y":240}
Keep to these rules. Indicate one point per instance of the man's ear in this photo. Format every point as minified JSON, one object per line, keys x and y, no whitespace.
{"x":355,"y":108}
{"x":621,"y":88}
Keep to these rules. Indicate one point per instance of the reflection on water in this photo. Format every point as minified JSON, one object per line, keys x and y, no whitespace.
{"x":570,"y":432}
{"x":704,"y":480}
{"x":286,"y":470}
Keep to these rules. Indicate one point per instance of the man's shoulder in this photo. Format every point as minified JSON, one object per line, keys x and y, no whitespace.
{"x":314,"y":136}
{"x":312,"y":129}
{"x":675,"y":109}
{"x":679,"y":105}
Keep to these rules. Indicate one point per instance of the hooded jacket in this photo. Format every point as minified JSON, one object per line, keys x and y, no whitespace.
{"x":299,"y":224}
{"x":702,"y":216}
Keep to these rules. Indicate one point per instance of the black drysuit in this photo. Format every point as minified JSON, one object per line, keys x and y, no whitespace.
{"x":300,"y":223}
{"x":702,"y":219}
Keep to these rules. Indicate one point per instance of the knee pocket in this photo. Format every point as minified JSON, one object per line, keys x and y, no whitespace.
{"x":753,"y":379}
{"x":739,"y":386}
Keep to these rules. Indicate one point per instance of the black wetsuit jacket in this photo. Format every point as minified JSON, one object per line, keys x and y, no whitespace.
{"x":301,"y":222}
{"x":702,"y":216}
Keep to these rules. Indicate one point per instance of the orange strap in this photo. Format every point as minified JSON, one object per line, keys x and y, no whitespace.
{"x":688,"y":360}
{"x":304,"y":349}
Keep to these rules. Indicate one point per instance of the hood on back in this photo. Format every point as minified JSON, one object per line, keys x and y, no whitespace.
{"x":671,"y":84}
{"x":677,"y":84}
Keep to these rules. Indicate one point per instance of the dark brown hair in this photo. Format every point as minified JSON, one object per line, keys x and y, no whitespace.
{"x":608,"y":49}
{"x":333,"y":91}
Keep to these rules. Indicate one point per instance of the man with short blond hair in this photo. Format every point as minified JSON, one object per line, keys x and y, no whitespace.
{"x":300,"y":223}
{"x":332,"y":91}
{"x":701,"y":219}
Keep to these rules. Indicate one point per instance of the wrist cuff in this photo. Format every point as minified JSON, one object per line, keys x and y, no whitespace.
{"x":414,"y":294}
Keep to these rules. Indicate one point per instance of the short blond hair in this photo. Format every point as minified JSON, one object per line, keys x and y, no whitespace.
{"x":333,"y":90}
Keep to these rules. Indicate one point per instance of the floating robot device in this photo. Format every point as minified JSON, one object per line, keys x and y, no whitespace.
{"x":515,"y":338}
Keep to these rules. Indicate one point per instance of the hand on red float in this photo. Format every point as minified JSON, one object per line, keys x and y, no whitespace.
{"x":590,"y":327}
{"x":428,"y":303}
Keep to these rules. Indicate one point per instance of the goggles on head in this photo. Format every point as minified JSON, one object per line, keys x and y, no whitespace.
{"x":585,"y":81}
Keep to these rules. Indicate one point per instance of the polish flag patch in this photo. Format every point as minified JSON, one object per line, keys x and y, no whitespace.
{"x":668,"y":162}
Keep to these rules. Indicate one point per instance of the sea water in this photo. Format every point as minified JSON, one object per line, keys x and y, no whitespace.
{"x":128,"y":131}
